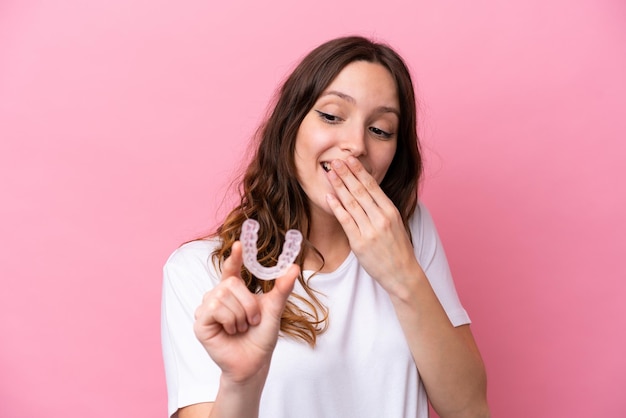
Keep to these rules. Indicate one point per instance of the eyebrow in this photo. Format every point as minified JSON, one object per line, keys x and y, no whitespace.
{"x":348,"y":98}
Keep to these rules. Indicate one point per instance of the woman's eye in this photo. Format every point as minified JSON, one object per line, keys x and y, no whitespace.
{"x":327,"y":117}
{"x":379,"y":132}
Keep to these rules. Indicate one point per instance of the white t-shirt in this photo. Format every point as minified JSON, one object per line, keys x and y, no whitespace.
{"x":361,"y":366}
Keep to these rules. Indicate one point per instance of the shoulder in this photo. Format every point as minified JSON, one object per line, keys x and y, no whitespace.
{"x":198,"y":251}
{"x":421,"y":218}
{"x":432,"y":257}
{"x":423,"y":232}
{"x":192,"y":264}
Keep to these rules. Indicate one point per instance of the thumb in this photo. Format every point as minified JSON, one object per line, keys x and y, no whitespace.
{"x":232,"y":265}
{"x":284,"y":286}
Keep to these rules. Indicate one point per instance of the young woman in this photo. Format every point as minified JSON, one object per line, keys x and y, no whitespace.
{"x":367,"y":321}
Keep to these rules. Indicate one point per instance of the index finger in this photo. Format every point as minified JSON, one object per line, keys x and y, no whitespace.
{"x":367,"y":181}
{"x":232,"y":265}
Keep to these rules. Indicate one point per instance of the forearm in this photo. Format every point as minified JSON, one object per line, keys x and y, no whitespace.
{"x":239,"y":400}
{"x":447,"y":358}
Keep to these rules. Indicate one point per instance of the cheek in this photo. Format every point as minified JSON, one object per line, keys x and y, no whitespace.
{"x":300,"y":151}
{"x":384,"y":163}
{"x":302,"y":141}
{"x":310,"y":144}
{"x":304,"y":161}
{"x":299,"y":165}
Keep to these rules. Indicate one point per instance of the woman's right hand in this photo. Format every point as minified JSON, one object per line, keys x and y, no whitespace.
{"x":239,"y":329}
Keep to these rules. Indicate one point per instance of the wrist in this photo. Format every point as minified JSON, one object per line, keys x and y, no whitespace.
{"x":239,"y":398}
{"x":406,"y":282}
{"x":251,"y":384}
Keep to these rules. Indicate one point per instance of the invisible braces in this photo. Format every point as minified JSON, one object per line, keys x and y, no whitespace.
{"x":290,"y":251}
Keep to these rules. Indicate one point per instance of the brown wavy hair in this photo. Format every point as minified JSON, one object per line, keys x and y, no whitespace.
{"x":270,"y":192}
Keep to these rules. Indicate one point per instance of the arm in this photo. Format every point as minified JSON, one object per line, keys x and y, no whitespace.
{"x":232,"y":401}
{"x":447,"y":358}
{"x":199,"y":410}
{"x":239,"y":331}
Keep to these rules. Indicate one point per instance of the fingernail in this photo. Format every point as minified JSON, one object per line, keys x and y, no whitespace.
{"x":336,"y":164}
{"x":256,"y":319}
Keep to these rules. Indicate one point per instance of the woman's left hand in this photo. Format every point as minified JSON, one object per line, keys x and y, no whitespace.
{"x":372,"y":224}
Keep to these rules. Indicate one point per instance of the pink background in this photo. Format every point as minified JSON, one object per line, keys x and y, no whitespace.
{"x":121,"y":123}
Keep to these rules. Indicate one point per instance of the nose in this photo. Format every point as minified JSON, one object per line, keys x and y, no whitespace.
{"x":353,"y":141}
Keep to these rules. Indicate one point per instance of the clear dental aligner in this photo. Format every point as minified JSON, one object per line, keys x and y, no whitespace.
{"x":290,"y":251}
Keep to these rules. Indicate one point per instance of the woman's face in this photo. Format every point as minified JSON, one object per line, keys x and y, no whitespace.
{"x":358,"y":115}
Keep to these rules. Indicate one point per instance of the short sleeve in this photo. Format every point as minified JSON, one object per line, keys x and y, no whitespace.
{"x":431,"y":256}
{"x":192,"y":377}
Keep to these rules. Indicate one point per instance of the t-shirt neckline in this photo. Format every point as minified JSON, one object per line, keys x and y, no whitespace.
{"x":330,"y":274}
